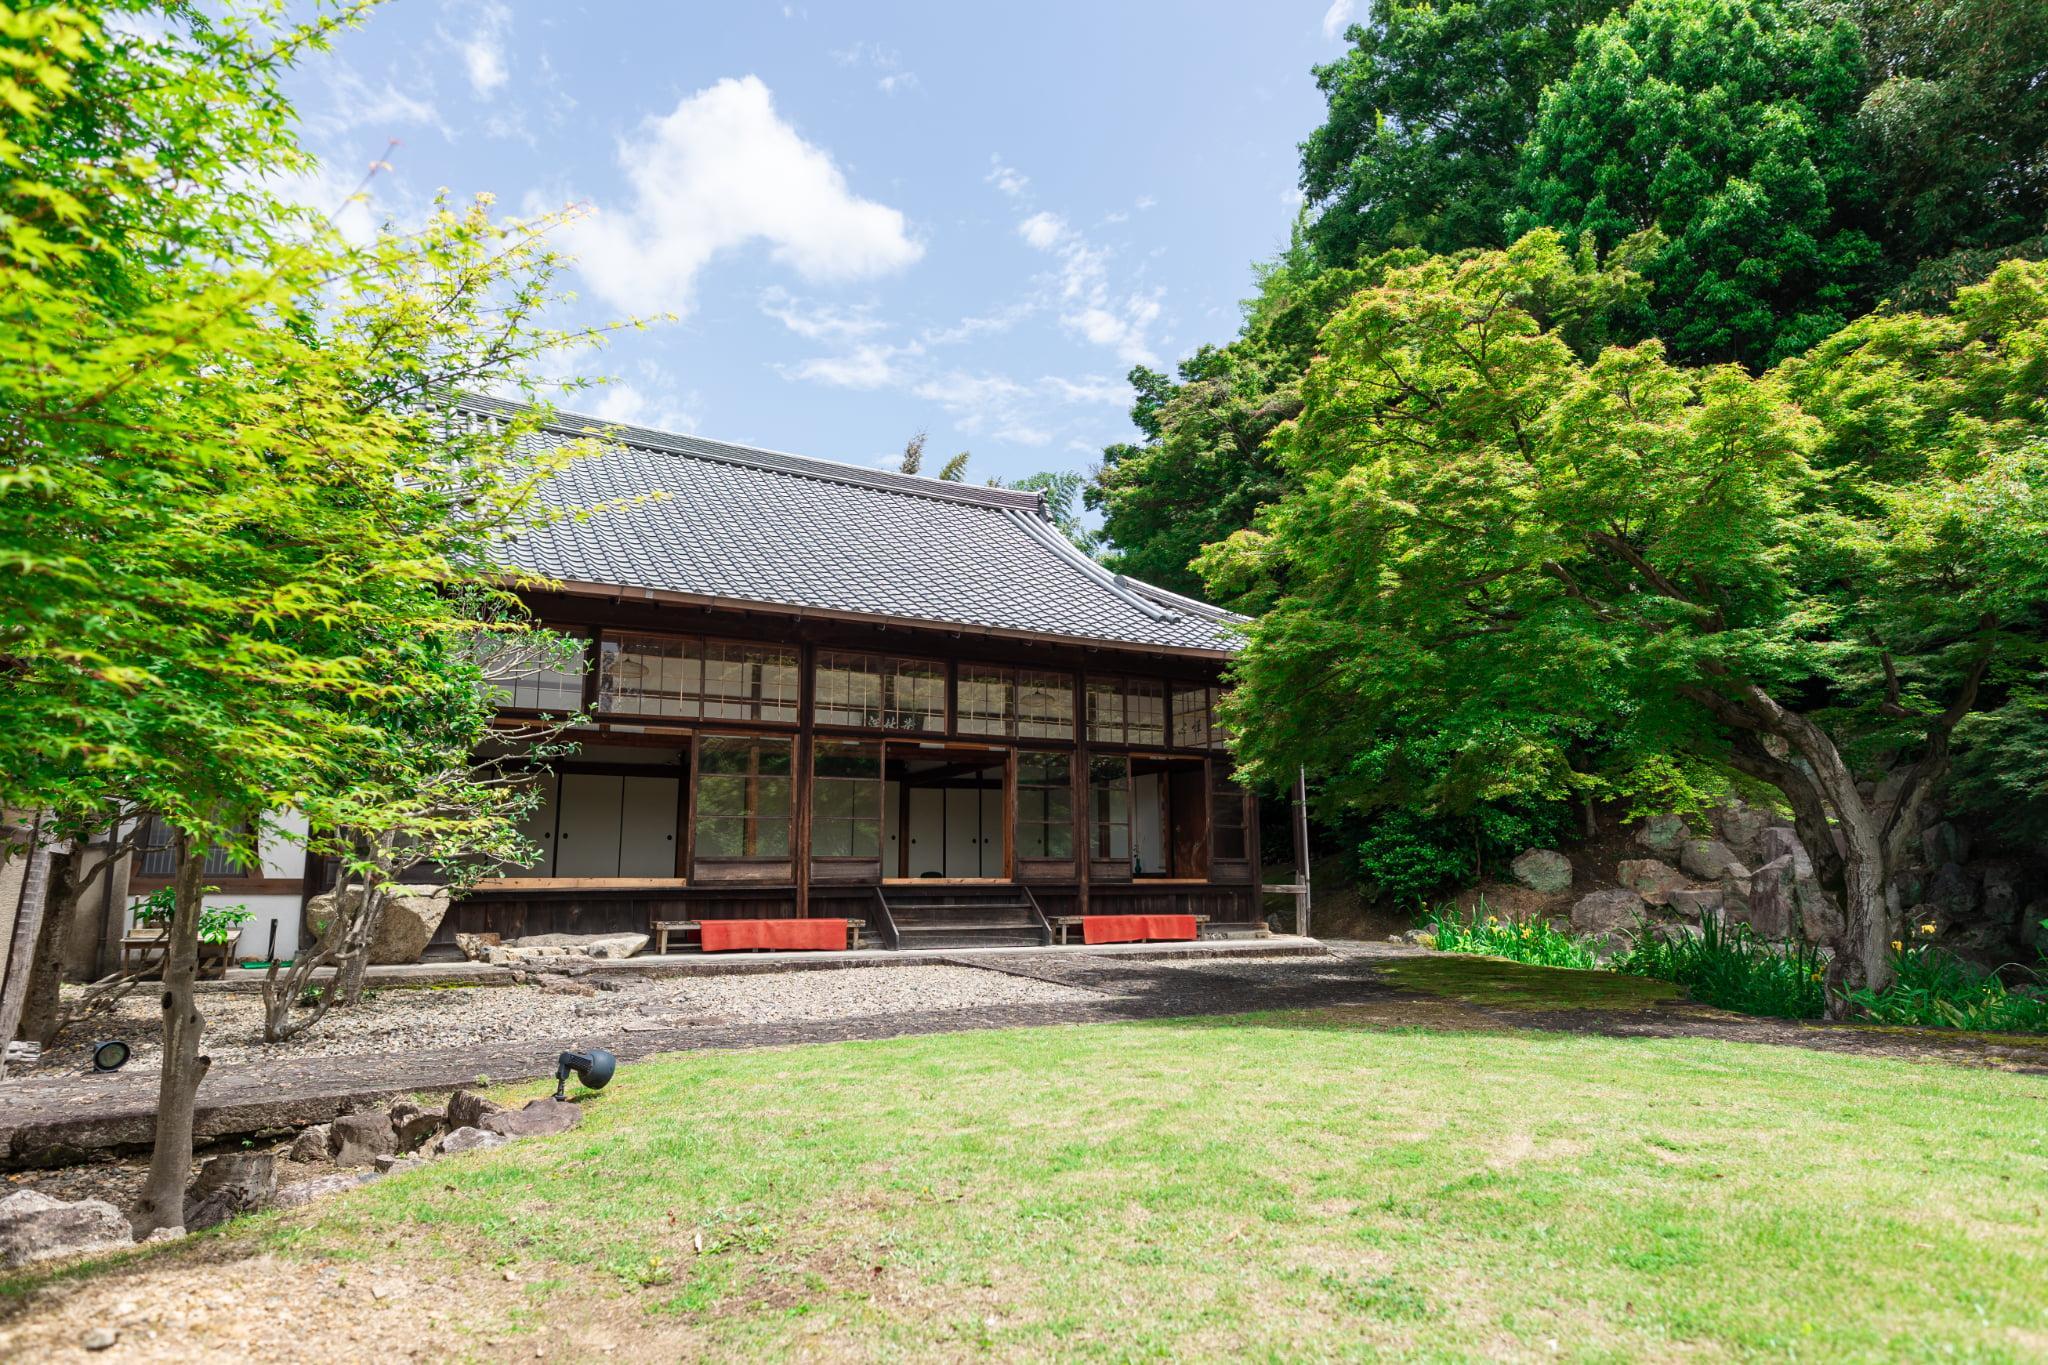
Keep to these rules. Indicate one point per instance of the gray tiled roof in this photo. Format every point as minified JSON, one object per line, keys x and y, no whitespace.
{"x":758,"y":526}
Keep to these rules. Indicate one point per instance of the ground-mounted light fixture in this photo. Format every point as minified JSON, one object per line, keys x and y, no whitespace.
{"x":111,"y":1055}
{"x":592,"y":1068}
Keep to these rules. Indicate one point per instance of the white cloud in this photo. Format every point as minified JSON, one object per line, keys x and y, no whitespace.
{"x":719,"y":172}
{"x":483,"y":49}
{"x":1338,"y":17}
{"x":1089,"y":389}
{"x":960,"y":392}
{"x":1122,"y":328}
{"x":354,"y":103}
{"x":356,"y":198}
{"x":818,"y":321}
{"x":1143,"y":202}
{"x":1008,"y":179}
{"x":885,"y":60}
{"x":1001,"y":320}
{"x":1042,"y":230}
{"x":629,"y":405}
{"x":869,"y":365}
{"x":1088,"y":304}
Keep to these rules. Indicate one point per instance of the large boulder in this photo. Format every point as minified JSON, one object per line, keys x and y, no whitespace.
{"x":314,"y":1144}
{"x":1742,"y":825}
{"x":2001,"y":897}
{"x":539,"y":1118}
{"x":35,"y":1227}
{"x":306,"y":1191}
{"x":359,"y":1139}
{"x":1770,"y":907}
{"x":1820,"y":919}
{"x":1649,"y":878}
{"x":540,"y":947}
{"x":1662,"y":834}
{"x":1779,"y":841}
{"x":477,"y":947}
{"x":239,"y":1182}
{"x":1606,"y":912}
{"x":470,"y":1140}
{"x":1706,"y":859}
{"x":1694,"y":902}
{"x":467,"y":1110}
{"x":1544,"y":870}
{"x":1944,"y":843}
{"x":412,"y":1126}
{"x":1951,"y":895}
{"x":411,"y":915}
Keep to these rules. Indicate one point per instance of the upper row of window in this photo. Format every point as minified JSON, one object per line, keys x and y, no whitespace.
{"x":696,"y":679}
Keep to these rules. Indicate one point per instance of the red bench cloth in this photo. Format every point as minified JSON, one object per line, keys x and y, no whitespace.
{"x":730,"y":935}
{"x":1135,"y":928}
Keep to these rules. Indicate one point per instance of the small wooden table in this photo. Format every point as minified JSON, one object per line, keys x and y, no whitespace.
{"x":664,"y":927}
{"x":1062,"y":923}
{"x":139,"y":947}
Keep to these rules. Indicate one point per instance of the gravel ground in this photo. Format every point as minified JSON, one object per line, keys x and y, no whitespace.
{"x":432,"y":1018}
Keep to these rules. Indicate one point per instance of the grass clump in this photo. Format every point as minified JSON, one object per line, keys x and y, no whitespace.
{"x":1533,"y":941}
{"x":1935,"y":989}
{"x":1730,"y":968}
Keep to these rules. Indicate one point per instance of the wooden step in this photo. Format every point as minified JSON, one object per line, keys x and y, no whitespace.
{"x":967,"y":926}
{"x":919,"y":907}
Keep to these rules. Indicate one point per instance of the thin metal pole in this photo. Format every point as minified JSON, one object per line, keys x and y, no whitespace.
{"x":1301,"y":895}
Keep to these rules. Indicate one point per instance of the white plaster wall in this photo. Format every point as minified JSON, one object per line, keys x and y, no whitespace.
{"x":1148,"y":840}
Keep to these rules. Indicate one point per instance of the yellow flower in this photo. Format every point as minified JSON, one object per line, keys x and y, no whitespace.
{"x":1926,"y":928}
{"x":1493,"y":919}
{"x":1896,"y":945}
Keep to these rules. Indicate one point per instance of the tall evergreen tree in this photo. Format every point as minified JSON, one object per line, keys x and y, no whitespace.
{"x":1724,"y":131}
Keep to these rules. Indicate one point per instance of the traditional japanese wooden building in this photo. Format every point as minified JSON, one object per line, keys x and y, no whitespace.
{"x":820,"y":690}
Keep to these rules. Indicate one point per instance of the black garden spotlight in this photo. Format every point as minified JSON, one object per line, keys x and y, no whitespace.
{"x":592,"y":1068}
{"x":111,"y":1055}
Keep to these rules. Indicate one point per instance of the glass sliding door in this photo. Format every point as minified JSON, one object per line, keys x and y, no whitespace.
{"x":846,"y":811}
{"x":745,"y":804}
{"x":1109,"y":817}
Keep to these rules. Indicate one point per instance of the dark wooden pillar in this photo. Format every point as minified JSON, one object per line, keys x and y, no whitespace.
{"x":800,"y":779}
{"x":1084,"y":794}
{"x":1010,"y":814}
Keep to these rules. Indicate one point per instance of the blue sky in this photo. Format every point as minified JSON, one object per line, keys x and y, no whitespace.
{"x":870,"y":219}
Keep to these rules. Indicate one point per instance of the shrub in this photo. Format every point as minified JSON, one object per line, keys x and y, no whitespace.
{"x":1730,"y":968}
{"x":1408,"y":853}
{"x":1533,"y":941}
{"x":1935,"y":989}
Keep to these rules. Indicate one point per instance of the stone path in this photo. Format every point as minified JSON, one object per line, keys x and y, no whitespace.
{"x":46,"y":1121}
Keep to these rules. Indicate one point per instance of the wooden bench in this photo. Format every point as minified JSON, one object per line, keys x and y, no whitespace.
{"x":665,"y":927}
{"x":139,"y":947}
{"x":1061,"y":923}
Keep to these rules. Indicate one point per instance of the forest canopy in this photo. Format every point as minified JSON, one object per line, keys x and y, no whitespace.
{"x":1758,"y":405}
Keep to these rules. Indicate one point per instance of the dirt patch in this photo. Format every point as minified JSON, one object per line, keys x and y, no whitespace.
{"x":207,"y":1300}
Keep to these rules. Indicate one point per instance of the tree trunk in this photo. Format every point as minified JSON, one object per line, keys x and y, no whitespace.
{"x":170,"y":1161}
{"x":39,"y":1012}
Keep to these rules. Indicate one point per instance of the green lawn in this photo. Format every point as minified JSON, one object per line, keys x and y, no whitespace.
{"x":1273,"y":1187}
{"x":1515,"y":985}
